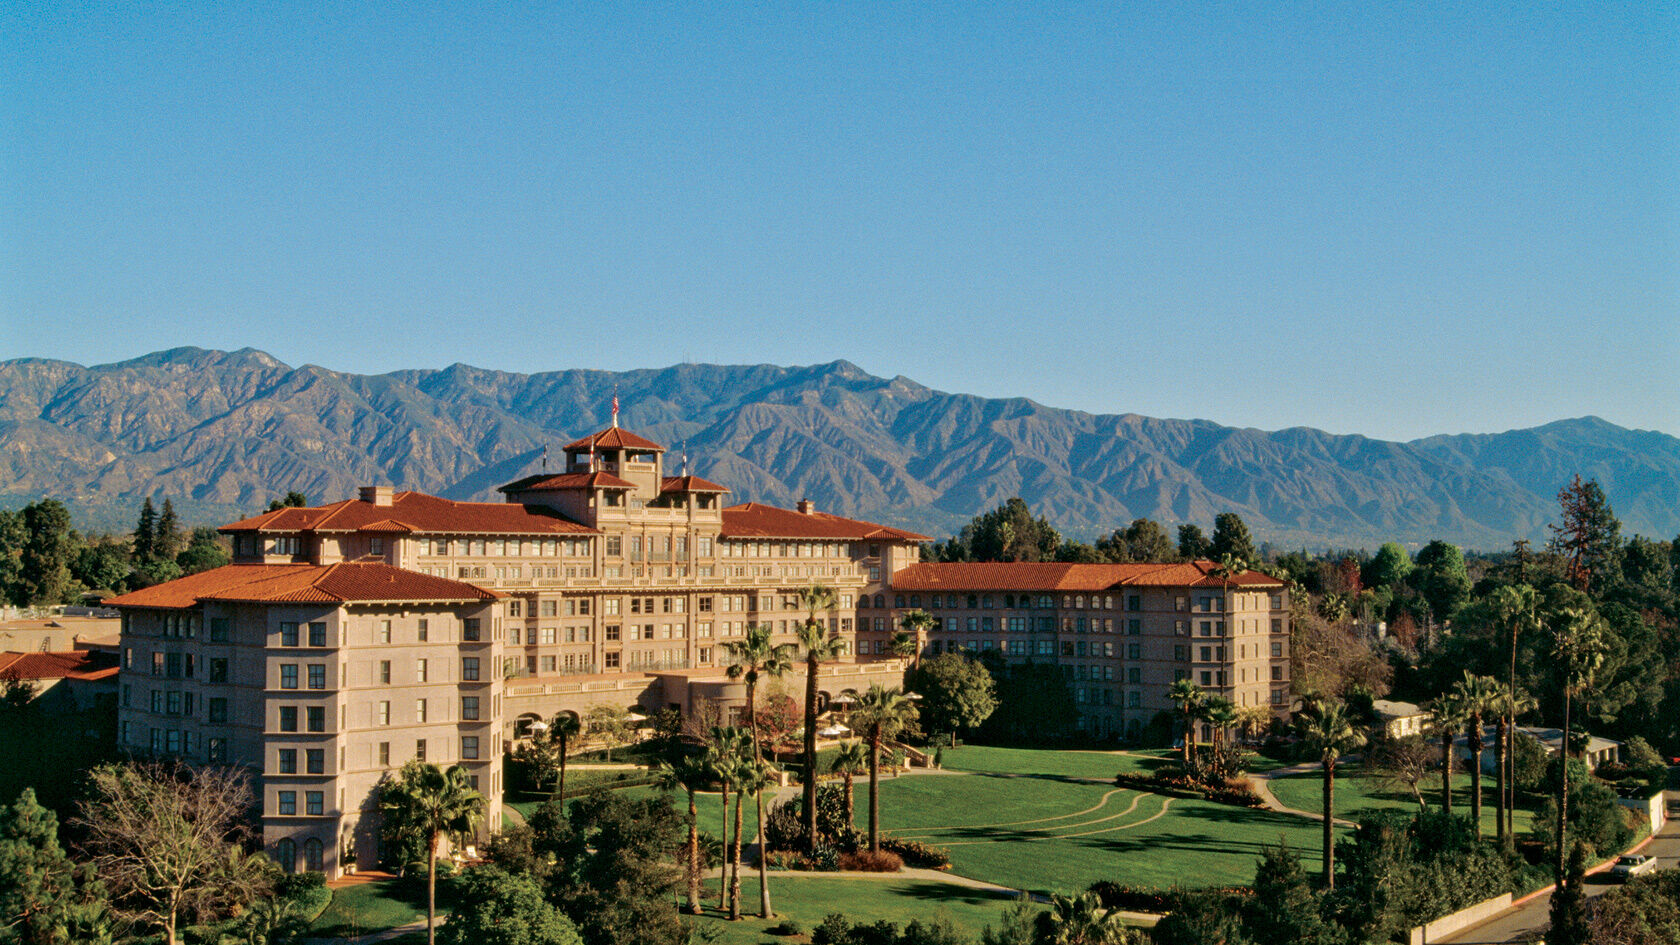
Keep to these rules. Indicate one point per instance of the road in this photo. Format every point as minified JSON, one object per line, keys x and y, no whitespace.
{"x":1521,"y":923}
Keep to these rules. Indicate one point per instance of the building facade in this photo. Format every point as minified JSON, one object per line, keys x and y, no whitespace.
{"x":345,"y":639}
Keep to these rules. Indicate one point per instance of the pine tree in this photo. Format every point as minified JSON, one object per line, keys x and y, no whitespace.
{"x":1589,"y":538}
{"x":145,"y":535}
{"x":167,"y":542}
{"x":1230,"y":537}
{"x":1571,"y":924}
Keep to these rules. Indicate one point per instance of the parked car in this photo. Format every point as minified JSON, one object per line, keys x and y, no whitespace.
{"x":1628,"y":867}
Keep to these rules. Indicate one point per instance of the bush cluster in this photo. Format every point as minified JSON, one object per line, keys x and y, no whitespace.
{"x":869,"y":861}
{"x":917,"y":854}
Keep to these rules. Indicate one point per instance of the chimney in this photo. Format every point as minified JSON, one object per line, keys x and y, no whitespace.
{"x":376,"y":495}
{"x":806,"y":507}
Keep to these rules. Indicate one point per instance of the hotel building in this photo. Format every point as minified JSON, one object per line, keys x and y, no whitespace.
{"x":347,"y":638}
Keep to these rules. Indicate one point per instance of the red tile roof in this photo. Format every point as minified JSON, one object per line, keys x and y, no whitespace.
{"x":614,"y":438}
{"x":689,"y":484}
{"x":1056,"y":576}
{"x":82,"y":664}
{"x":560,"y":482}
{"x":754,"y":520}
{"x":348,"y":582}
{"x":417,"y":513}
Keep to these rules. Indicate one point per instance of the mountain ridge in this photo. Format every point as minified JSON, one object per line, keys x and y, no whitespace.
{"x":222,"y":432}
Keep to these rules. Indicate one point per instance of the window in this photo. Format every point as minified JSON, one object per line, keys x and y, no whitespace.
{"x":423,"y":630}
{"x":1134,"y":675}
{"x":1277,"y":651}
{"x":313,"y":806}
{"x":288,"y":676}
{"x":610,"y":660}
{"x":469,"y":630}
{"x":384,"y":713}
{"x":218,"y":670}
{"x":288,"y":718}
{"x":287,"y":761}
{"x":420,"y":749}
{"x":384,"y":754}
{"x":315,"y":761}
{"x":317,"y":634}
{"x":469,"y":668}
{"x":419,"y":710}
{"x":218,"y":629}
{"x":215,"y":749}
{"x":385,"y":671}
{"x":288,"y":634}
{"x":317,"y":675}
{"x":469,"y":747}
{"x":316,"y":718}
{"x":419,"y":670}
{"x":469,"y":708}
{"x":218,"y":710}
{"x":1277,"y":673}
{"x":287,"y":802}
{"x":384,"y":635}
{"x":285,"y":853}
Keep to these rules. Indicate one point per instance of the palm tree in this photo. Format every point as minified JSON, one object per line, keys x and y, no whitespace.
{"x":1512,"y":705}
{"x":1188,"y":697}
{"x":819,"y":646}
{"x":561,"y":730}
{"x":1446,"y":717}
{"x":1514,"y":608}
{"x":1083,"y":920}
{"x":880,"y":714}
{"x":692,"y":774}
{"x":848,"y":761}
{"x":1577,"y":651}
{"x":1327,"y":729}
{"x":439,"y":802}
{"x":724,"y":749}
{"x":756,"y":778}
{"x":1220,"y":714}
{"x":915,"y":623}
{"x":1477,"y":695}
{"x":754,"y":655}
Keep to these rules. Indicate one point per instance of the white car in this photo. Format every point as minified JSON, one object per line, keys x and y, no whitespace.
{"x":1630,"y":866}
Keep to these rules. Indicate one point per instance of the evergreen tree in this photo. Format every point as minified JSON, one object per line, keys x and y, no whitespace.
{"x":1009,"y":532}
{"x":12,"y":538}
{"x":1143,"y":540}
{"x":49,"y":547}
{"x":1588,"y":538}
{"x":145,"y":535}
{"x":167,"y":542}
{"x":203,"y":552}
{"x":1230,"y":537}
{"x":1192,"y":543}
{"x":1570,"y":919}
{"x":1388,"y":567}
{"x":1441,"y":577}
{"x":45,"y":898}
{"x":1285,"y":908}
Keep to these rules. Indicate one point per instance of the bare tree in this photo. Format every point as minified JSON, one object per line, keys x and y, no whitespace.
{"x":166,"y":840}
{"x":1403,"y":764}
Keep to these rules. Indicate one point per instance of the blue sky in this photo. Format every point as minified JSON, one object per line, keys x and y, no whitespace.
{"x":1392,"y":219}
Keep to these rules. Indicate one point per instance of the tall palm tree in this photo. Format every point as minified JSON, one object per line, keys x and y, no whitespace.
{"x":1477,"y":695}
{"x":561,"y":730}
{"x":692,"y":774}
{"x":902,"y":645}
{"x":1577,"y":652}
{"x":725,"y":747}
{"x":1446,"y":717}
{"x":880,"y":714}
{"x":916,"y":623}
{"x":1512,"y":705}
{"x":819,"y":647}
{"x":850,"y":759}
{"x":752,"y":656}
{"x":756,"y":778}
{"x":1328,"y":730}
{"x":1083,"y":920}
{"x":1188,"y":697}
{"x":1220,"y":714}
{"x":440,"y":802}
{"x":1514,"y":608}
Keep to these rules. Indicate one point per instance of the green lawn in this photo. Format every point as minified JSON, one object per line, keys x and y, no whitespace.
{"x":372,"y":906}
{"x":1356,"y":793}
{"x":1043,"y":833}
{"x":807,"y":897}
{"x":1102,"y":765}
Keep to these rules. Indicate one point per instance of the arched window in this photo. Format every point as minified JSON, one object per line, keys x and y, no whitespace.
{"x":312,"y":855}
{"x":285,"y":853}
{"x":880,"y":601}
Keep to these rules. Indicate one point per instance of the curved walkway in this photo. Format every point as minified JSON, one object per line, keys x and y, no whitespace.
{"x":1258,"y":783}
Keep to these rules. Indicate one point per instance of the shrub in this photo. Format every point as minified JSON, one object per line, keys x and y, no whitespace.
{"x":786,"y":927}
{"x":783,"y":829}
{"x":917,"y":854}
{"x":866,"y":861}
{"x":835,"y":929}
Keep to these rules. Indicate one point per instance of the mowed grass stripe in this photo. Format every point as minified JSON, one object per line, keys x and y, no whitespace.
{"x":1099,"y":805}
{"x":972,"y":829}
{"x":1044,"y":834}
{"x":928,"y":802}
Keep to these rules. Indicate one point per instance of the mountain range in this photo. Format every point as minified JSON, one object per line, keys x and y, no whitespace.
{"x":222,"y":433}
